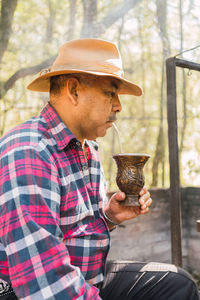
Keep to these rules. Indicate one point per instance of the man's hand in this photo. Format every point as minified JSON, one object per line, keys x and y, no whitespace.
{"x":119,"y":213}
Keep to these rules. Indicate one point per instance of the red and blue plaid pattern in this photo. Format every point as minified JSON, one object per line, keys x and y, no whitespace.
{"x":53,"y":238}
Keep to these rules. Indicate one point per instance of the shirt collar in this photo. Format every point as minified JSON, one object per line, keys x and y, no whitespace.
{"x":58,"y":129}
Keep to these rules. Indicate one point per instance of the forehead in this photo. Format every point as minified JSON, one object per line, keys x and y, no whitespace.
{"x":109,"y":82}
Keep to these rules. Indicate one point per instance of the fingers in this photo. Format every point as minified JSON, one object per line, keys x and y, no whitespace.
{"x":119,"y":213}
{"x":145,"y":200}
{"x":144,"y":211}
{"x":146,"y":205}
{"x":119,"y":196}
{"x":143,"y":191}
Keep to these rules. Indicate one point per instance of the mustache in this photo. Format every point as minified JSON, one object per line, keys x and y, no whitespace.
{"x":112,"y":118}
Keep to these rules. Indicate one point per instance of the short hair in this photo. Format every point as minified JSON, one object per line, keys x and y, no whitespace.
{"x":58,"y":82}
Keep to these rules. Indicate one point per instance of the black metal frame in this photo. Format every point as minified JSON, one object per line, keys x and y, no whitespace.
{"x":175,"y":194}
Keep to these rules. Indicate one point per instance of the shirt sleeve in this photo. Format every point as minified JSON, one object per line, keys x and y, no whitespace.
{"x":38,"y":260}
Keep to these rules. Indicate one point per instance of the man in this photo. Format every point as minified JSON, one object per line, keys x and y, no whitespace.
{"x":55,"y":217}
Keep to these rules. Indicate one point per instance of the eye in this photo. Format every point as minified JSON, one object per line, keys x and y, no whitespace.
{"x":110,"y":94}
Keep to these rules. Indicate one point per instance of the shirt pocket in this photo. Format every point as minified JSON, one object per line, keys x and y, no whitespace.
{"x":75,"y":206}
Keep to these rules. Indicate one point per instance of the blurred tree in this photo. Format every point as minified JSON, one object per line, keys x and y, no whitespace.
{"x":89,"y":18}
{"x":72,"y":18}
{"x":90,"y":28}
{"x":146,"y":33}
{"x":184,"y":82}
{"x":7,"y":12}
{"x":159,"y":156}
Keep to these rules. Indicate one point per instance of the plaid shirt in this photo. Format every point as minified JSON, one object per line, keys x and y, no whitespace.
{"x":53,"y":238}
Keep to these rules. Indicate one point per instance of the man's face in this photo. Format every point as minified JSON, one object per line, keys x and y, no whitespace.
{"x":98,"y":107}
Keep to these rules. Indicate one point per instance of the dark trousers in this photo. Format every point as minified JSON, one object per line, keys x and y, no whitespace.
{"x":8,"y":295}
{"x":141,"y":281}
{"x":147,"y":281}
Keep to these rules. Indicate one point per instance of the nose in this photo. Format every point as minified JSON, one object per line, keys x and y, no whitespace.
{"x":116,"y":104}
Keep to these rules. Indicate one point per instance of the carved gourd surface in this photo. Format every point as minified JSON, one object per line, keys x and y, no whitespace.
{"x":130,"y":178}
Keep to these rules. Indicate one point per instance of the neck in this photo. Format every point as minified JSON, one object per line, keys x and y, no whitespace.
{"x":68,"y":117}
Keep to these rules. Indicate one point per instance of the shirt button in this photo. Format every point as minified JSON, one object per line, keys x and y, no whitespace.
{"x":78,"y":144}
{"x":84,"y":168}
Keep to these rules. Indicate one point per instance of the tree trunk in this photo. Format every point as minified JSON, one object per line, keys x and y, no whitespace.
{"x":114,"y":15}
{"x":142,"y":46}
{"x":183,"y":90}
{"x":89,"y":17}
{"x":24,"y":72}
{"x":7,"y":12}
{"x":72,"y":18}
{"x":159,"y":158}
{"x":50,"y":23}
{"x":97,"y":29}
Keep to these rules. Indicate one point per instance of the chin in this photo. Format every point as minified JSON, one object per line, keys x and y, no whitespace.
{"x":93,"y":138}
{"x":98,"y":134}
{"x":103,"y":133}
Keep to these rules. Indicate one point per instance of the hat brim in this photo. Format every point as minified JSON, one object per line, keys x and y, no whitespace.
{"x":42,"y":83}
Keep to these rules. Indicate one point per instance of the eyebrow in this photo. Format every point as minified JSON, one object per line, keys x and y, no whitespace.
{"x":115,"y":85}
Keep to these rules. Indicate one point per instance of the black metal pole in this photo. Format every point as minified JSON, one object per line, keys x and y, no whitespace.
{"x":187,"y":64}
{"x":175,"y":196}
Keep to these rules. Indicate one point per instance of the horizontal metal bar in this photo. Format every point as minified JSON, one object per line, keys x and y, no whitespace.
{"x":187,"y":64}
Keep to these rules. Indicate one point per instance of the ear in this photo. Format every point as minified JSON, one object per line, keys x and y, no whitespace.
{"x":72,"y":90}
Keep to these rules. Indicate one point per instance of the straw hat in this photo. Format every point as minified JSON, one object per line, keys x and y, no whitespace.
{"x":91,"y":56}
